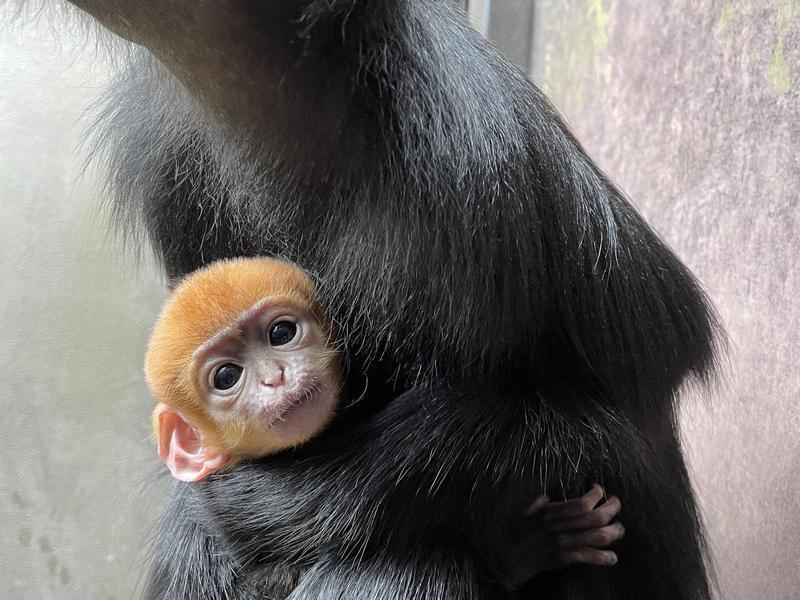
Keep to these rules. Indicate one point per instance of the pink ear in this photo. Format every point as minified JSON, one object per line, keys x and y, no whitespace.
{"x":183,"y":450}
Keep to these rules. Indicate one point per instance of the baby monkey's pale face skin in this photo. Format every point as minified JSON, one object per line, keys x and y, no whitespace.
{"x":266,"y":382}
{"x":267,"y":372}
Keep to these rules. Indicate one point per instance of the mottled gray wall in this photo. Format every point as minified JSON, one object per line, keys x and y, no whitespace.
{"x":693,"y":107}
{"x":76,"y":470}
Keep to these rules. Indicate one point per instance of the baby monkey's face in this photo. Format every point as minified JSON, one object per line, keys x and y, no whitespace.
{"x":268,"y":379}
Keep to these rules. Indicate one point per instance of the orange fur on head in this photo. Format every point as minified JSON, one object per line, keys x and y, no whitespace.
{"x":202,"y":305}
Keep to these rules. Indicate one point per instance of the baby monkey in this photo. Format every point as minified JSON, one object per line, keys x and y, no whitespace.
{"x":243,"y":364}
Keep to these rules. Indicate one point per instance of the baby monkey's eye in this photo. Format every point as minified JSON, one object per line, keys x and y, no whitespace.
{"x":282,"y":333}
{"x":227,"y":376}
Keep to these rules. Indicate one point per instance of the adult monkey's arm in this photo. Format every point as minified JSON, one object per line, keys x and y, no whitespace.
{"x":252,"y":66}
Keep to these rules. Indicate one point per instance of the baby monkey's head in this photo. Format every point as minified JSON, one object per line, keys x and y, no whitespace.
{"x":243,"y":365}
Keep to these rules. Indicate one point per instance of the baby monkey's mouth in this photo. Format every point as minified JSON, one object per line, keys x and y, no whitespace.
{"x":300,"y":394}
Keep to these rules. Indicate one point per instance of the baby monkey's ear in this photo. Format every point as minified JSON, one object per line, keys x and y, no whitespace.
{"x":183,"y":449}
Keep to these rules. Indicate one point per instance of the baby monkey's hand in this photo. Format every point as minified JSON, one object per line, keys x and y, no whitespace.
{"x":555,"y":535}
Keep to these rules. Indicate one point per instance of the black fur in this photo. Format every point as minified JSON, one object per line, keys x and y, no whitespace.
{"x":512,"y":323}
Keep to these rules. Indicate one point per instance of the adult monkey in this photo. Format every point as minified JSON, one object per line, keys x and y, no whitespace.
{"x":531,"y":329}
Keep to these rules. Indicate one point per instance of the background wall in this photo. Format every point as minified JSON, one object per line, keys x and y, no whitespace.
{"x":691,"y":105}
{"x":77,"y":484}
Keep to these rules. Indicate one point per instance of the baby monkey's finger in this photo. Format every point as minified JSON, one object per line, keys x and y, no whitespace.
{"x":599,"y":517}
{"x":589,"y":556}
{"x":577,"y":506}
{"x":595,"y":538}
{"x":537,"y":505}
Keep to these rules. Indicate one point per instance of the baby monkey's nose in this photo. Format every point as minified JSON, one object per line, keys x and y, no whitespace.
{"x":272,"y":375}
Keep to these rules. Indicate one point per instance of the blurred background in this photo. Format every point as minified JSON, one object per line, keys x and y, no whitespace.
{"x":692,"y":106}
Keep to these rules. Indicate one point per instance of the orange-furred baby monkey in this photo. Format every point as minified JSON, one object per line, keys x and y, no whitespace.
{"x":242,"y":363}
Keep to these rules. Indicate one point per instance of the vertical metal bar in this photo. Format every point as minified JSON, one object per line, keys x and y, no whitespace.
{"x":538,"y":35}
{"x":478,"y":11}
